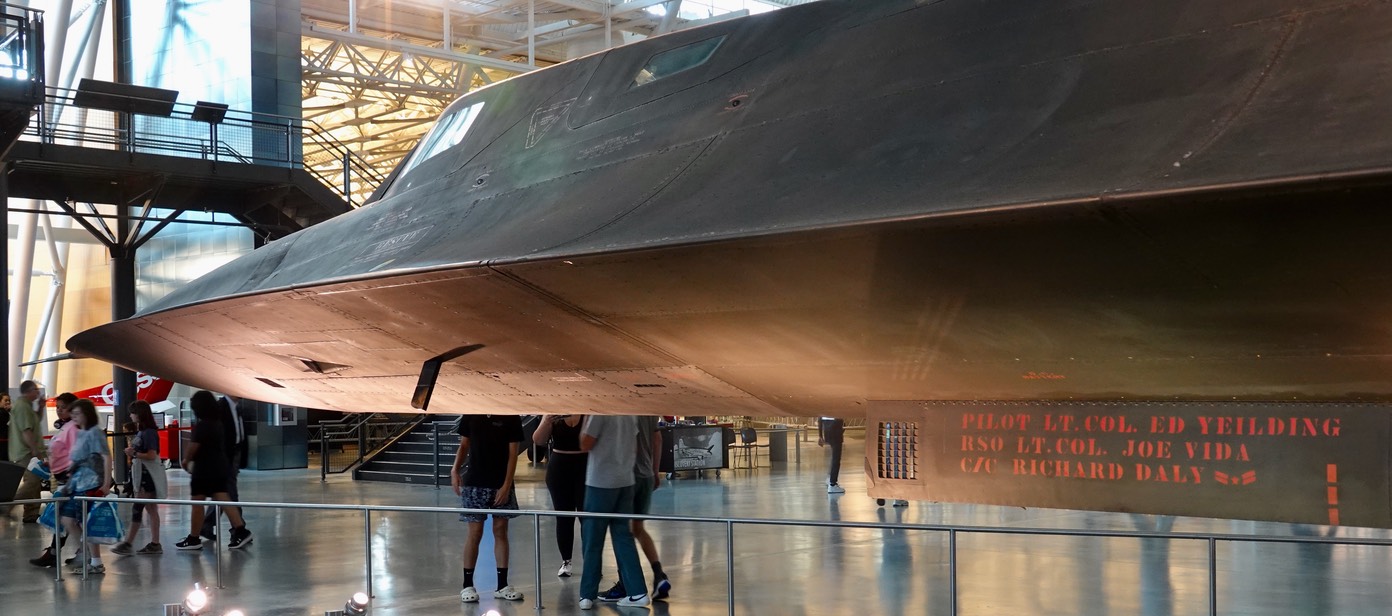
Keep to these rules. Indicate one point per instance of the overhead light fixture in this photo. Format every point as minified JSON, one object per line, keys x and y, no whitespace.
{"x":124,"y":97}
{"x":212,"y":113}
{"x":234,"y":613}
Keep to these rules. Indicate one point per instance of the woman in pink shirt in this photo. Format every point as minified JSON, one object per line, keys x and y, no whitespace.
{"x":60,"y":446}
{"x":59,"y":459}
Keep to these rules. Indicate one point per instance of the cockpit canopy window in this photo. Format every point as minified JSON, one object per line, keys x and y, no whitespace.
{"x":448,"y":132}
{"x":674,"y":61}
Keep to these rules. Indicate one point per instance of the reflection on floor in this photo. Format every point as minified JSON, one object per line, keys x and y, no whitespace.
{"x":309,"y":562}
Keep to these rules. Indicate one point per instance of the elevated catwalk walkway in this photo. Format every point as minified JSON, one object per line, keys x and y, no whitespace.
{"x":129,"y":145}
{"x":307,"y":562}
{"x":110,"y":148}
{"x":281,"y":200}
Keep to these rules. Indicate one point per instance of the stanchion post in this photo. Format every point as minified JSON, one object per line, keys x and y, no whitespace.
{"x":730,"y":565}
{"x":952,"y":570}
{"x":82,"y":556}
{"x":435,"y":452}
{"x":323,"y":454}
{"x":367,"y":545}
{"x":362,"y":440}
{"x":536,"y":545}
{"x":217,"y":541}
{"x":57,"y":545}
{"x":797,"y":446}
{"x":128,"y":121}
{"x":347,"y":180}
{"x":1212,"y":577}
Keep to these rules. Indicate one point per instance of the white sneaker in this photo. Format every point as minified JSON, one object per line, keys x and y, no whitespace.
{"x":587,"y":604}
{"x":835,"y":489}
{"x":635,"y":601}
{"x":565,"y":570}
{"x":901,"y":503}
{"x":469,"y":595}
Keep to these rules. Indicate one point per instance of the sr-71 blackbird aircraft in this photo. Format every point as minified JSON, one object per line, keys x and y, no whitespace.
{"x":810,"y":211}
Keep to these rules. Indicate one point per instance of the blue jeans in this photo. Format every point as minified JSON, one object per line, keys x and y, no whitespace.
{"x":609,"y":500}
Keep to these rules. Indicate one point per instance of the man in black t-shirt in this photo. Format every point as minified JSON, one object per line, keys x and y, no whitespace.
{"x":490,"y":444}
{"x":231,"y":441}
{"x":205,"y":458}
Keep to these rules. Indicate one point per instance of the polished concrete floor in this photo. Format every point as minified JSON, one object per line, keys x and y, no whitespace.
{"x":308,"y":562}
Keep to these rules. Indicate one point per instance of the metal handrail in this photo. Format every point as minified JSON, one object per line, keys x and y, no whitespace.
{"x":23,"y":46}
{"x":352,"y":165}
{"x":436,"y":454}
{"x":953,"y":531}
{"x":241,"y":136}
{"x":359,"y":433}
{"x":344,"y":425}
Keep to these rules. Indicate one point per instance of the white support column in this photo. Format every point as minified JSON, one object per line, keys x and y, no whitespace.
{"x":56,"y":40}
{"x":447,"y":40}
{"x":670,"y":17}
{"x":54,"y":291}
{"x":62,"y":71}
{"x":23,"y":268}
{"x":53,"y":334}
{"x":91,"y":48}
{"x":55,"y":44}
{"x":353,"y":16}
{"x":531,"y":32}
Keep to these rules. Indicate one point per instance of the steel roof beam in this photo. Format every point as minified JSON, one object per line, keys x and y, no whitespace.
{"x":413,"y":49}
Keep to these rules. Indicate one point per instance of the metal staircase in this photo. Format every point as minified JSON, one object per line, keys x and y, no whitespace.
{"x":421,"y":456}
{"x":345,"y":443}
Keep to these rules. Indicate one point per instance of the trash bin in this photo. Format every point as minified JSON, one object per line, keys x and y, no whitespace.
{"x":10,"y":474}
{"x":169,"y":444}
{"x":778,"y":444}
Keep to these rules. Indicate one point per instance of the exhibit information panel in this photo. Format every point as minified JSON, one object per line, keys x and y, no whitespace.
{"x":1318,"y":463}
{"x":693,"y":448}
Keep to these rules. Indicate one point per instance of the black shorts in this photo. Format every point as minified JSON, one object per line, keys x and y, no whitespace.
{"x":473,"y":497}
{"x":207,"y":485}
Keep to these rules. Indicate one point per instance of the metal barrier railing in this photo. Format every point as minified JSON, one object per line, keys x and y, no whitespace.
{"x":953,"y":532}
{"x":437,"y":430}
{"x":239,"y":136}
